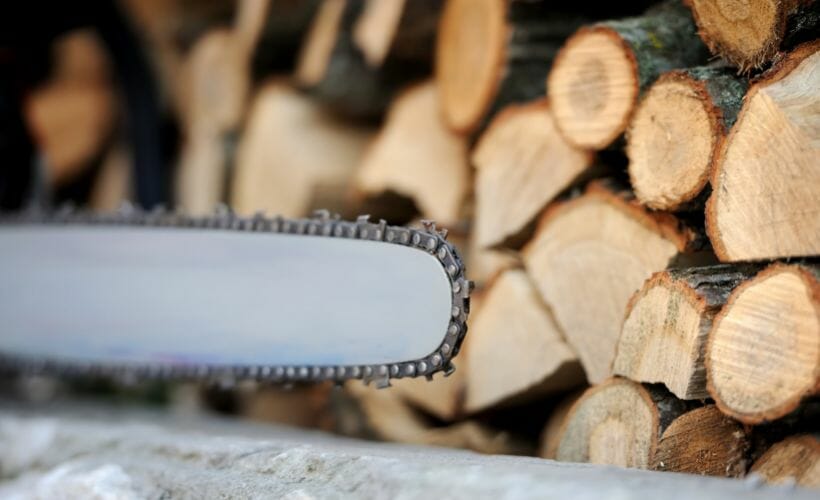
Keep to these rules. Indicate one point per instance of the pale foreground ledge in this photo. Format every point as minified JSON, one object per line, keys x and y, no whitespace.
{"x":132,"y":455}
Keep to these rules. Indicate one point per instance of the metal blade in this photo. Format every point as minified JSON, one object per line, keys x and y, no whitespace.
{"x":168,"y":295}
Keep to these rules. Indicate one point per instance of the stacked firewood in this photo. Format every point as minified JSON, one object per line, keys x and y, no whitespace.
{"x":636,"y":187}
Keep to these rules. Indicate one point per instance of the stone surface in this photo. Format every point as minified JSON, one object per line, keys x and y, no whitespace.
{"x":115,"y":454}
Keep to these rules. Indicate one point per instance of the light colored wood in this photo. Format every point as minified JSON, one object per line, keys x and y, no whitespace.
{"x":522,"y":163}
{"x":763,"y":353}
{"x":443,"y":397}
{"x":703,"y":441}
{"x":73,"y":115}
{"x":747,"y":34}
{"x":795,"y":460}
{"x":293,"y":157}
{"x":601,"y":70}
{"x":393,"y":420}
{"x":617,"y":423}
{"x":551,"y":435}
{"x":764,"y":201}
{"x":516,"y":351}
{"x":663,"y":338}
{"x":301,"y":406}
{"x":112,"y":187}
{"x":469,"y":56}
{"x":375,"y":28}
{"x":416,"y":156}
{"x":587,"y":258}
{"x":674,"y":138}
{"x":320,"y":41}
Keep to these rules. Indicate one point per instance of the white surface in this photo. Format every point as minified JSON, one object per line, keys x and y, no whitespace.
{"x":221,"y":297}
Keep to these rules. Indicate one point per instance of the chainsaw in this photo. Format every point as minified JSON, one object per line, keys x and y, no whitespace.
{"x":158,"y":294}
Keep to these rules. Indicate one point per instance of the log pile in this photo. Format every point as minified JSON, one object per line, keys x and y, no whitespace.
{"x":637,"y":192}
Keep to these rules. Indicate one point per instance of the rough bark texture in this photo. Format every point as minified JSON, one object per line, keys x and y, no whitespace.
{"x":703,"y":441}
{"x":602,"y":69}
{"x":676,"y":134}
{"x":753,"y":214}
{"x":748,"y":35}
{"x":55,"y":453}
{"x":663,"y":339}
{"x":618,"y":422}
{"x":763,"y":352}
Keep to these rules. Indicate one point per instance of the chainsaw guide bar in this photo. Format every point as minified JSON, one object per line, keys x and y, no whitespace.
{"x":426,"y":238}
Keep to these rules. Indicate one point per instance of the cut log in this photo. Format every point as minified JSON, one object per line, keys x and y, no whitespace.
{"x":492,"y":53}
{"x":749,"y":34}
{"x":587,"y":258}
{"x":677,"y":131}
{"x":795,"y":460}
{"x":301,"y":406}
{"x":551,"y":435}
{"x":764,"y":201}
{"x":515,"y":351}
{"x":763,"y":353}
{"x":359,"y":53}
{"x":663,"y":338}
{"x":73,"y":115}
{"x":522,"y":163}
{"x":293,"y":157}
{"x":602,"y":69}
{"x":416,"y":156}
{"x":391,"y":419}
{"x":703,"y":441}
{"x":618,"y":423}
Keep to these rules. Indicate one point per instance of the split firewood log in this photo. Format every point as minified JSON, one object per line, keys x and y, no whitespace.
{"x":588,"y":257}
{"x":663,"y":338}
{"x":393,"y":420}
{"x":618,"y":422}
{"x":675,"y":137}
{"x":601,"y":71}
{"x":492,"y":53}
{"x":763,"y":352}
{"x":703,"y":441}
{"x":749,"y":34}
{"x":794,"y":460}
{"x":416,"y":156}
{"x":516,"y":350}
{"x":112,"y":185}
{"x":359,"y":53}
{"x":764,"y":201}
{"x":294,"y":157}
{"x":522,"y":163}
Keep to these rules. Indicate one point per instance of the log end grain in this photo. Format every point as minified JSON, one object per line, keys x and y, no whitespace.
{"x":672,"y":141}
{"x":515,"y":346}
{"x":469,"y":57}
{"x":763,"y":353}
{"x":663,"y":337}
{"x":436,"y":176}
{"x":613,"y":423}
{"x":753,"y":213}
{"x":593,"y":87}
{"x":522,"y":163}
{"x":793,"y":460}
{"x":747,"y":34}
{"x":703,"y":441}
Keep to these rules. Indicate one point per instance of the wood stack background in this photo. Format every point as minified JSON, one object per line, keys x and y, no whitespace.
{"x":636,"y":188}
